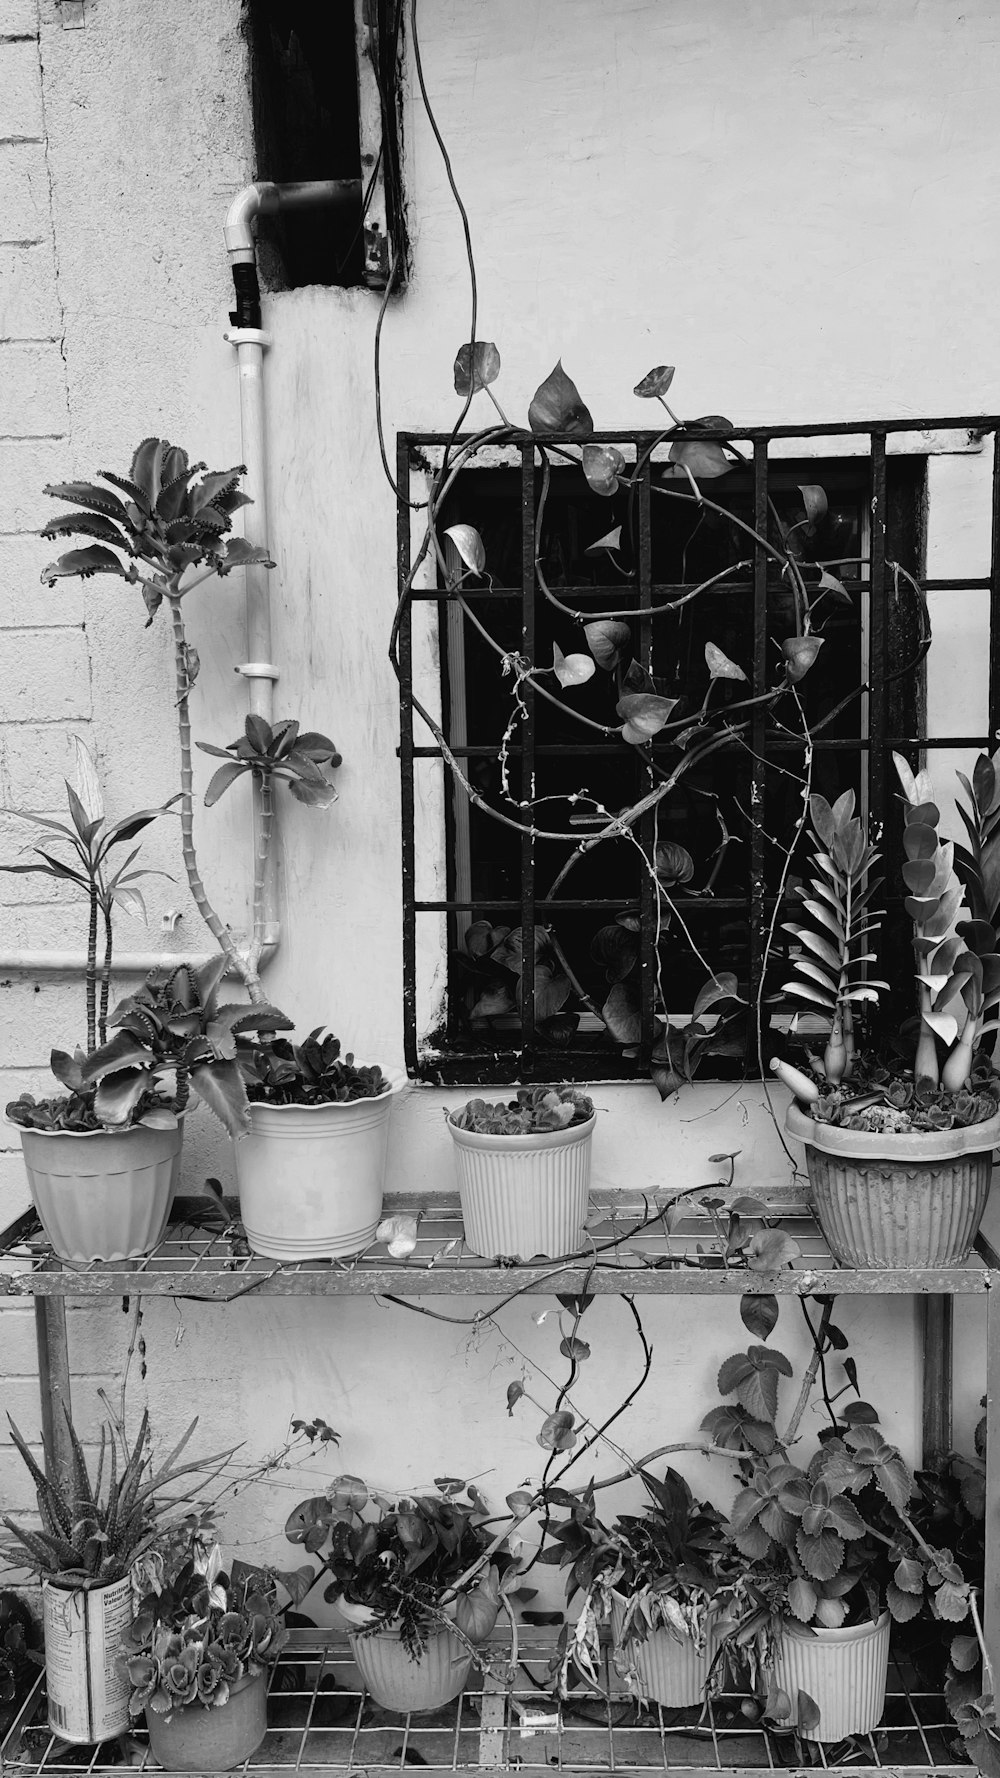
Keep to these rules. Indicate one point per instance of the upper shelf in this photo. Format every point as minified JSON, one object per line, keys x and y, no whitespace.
{"x":204,"y":1255}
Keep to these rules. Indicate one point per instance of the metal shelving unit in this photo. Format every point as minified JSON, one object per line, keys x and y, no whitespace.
{"x":320,"y":1720}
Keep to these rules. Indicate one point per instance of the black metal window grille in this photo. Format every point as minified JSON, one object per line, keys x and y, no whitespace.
{"x":871,"y":703}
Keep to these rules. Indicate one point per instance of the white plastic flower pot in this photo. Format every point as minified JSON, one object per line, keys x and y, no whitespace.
{"x":897,"y":1200}
{"x":843,"y":1671}
{"x":213,"y":1737}
{"x":87,"y":1697}
{"x":399,"y":1683}
{"x":310,"y":1177}
{"x":523,"y":1195}
{"x":668,"y":1668}
{"x":103,"y":1194}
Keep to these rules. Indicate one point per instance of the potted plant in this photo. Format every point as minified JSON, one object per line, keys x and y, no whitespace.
{"x":196,"y":1656}
{"x":524,"y":1171}
{"x":657,"y":1578}
{"x":828,"y":1549}
{"x":103,"y":1159}
{"x":18,"y":1656}
{"x":416,"y":1579}
{"x":91,"y":1534}
{"x":900,"y":1159}
{"x":311,"y":1169}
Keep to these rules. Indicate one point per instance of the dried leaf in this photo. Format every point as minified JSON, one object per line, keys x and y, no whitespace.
{"x":720,"y":666}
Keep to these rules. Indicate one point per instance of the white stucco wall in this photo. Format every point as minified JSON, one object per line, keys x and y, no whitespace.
{"x":790,"y":203}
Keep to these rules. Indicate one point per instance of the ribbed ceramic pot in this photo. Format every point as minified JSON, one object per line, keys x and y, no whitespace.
{"x":843,"y":1671}
{"x":103,"y":1194}
{"x":399,"y":1683}
{"x":523,"y":1195}
{"x":898,"y":1200}
{"x":310,"y":1177}
{"x":210,"y":1737}
{"x":670,"y":1670}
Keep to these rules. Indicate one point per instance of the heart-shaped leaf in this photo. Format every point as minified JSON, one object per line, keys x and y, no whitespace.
{"x":476,"y":368}
{"x":800,"y":652}
{"x":702,"y":456}
{"x":602,"y":465}
{"x":621,"y":1012}
{"x":469,"y":545}
{"x":815,"y":502}
{"x":655,"y":383}
{"x":828,"y":583}
{"x":759,"y":1314}
{"x":644,"y":715}
{"x":572,"y":669}
{"x":609,"y":641}
{"x":557,"y":1433}
{"x":606,"y":545}
{"x":557,"y":406}
{"x":720,"y":666}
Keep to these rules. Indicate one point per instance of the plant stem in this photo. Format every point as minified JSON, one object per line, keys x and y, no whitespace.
{"x":812,"y":1370}
{"x":223,"y":937}
{"x":106,"y":973}
{"x":262,"y":783}
{"x":92,"y":971}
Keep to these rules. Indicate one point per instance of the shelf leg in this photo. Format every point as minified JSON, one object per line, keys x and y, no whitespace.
{"x":938,"y":1321}
{"x":991,"y":1587}
{"x":53,"y":1383}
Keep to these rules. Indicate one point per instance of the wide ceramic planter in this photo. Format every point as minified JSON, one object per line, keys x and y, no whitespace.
{"x":843,"y":1671}
{"x":87,"y":1697}
{"x":103,"y":1194}
{"x":523,"y":1195}
{"x":399,"y":1683}
{"x":669,"y":1670}
{"x":912,"y":1199}
{"x":310,"y":1177}
{"x":210,"y":1737}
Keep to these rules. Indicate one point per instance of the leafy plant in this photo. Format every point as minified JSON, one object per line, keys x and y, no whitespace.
{"x":18,"y":1648}
{"x":89,"y":867}
{"x":535,"y":1109}
{"x":166,"y":527}
{"x":279,"y":1072}
{"x":198,"y":1629}
{"x":418,"y":1562}
{"x":93,"y":1530}
{"x":172,"y":1039}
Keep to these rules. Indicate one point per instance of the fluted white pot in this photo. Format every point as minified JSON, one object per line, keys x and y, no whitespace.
{"x":669,"y":1669}
{"x":399,"y":1683}
{"x":310,"y":1177}
{"x":103,"y":1194}
{"x":843,"y":1671}
{"x":523,"y":1195}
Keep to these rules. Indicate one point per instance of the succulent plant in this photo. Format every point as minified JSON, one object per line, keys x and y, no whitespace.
{"x":313,"y":1072}
{"x":535,"y":1109}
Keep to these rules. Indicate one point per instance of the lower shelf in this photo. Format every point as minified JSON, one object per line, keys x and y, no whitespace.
{"x":321,"y":1721}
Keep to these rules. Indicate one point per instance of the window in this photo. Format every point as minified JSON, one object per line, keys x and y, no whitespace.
{"x":325,"y":93}
{"x":631,"y":934}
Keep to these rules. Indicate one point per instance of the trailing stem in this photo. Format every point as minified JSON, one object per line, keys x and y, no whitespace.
{"x":92,"y":973}
{"x":106,"y":973}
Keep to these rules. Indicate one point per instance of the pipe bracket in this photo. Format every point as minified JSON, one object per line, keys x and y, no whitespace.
{"x":257,"y":670}
{"x":247,"y":336}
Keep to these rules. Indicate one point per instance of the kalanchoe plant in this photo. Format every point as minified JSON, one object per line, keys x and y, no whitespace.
{"x":93,"y":1529}
{"x":166,"y":527}
{"x":172,"y":1038}
{"x":667,"y":1568}
{"x":951,"y":1083}
{"x":418,"y":1562}
{"x":535,"y":1109}
{"x":198,"y":1629}
{"x":313,"y":1072}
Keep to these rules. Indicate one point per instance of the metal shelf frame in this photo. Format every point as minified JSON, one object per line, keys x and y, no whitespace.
{"x":495,"y":1725}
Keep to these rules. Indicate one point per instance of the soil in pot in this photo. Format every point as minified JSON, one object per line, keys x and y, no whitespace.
{"x":399,"y":1683}
{"x":843,"y":1671}
{"x":212,"y":1738}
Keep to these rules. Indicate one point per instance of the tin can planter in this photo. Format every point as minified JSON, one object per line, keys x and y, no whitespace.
{"x":103,"y":1194}
{"x":669,"y":1669}
{"x":399,"y":1683}
{"x":898,"y":1200}
{"x":87,"y":1697}
{"x":843,"y":1671}
{"x":212,"y":1738}
{"x":310,"y":1177}
{"x":523,"y":1195}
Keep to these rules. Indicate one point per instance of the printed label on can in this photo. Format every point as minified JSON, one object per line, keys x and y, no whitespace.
{"x":88,"y":1698}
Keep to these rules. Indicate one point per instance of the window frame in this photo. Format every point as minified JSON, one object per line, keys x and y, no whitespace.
{"x":871,"y":442}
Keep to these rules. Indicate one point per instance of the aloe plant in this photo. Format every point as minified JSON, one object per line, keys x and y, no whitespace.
{"x":831,"y":969}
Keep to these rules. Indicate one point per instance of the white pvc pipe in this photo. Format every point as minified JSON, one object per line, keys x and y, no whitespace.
{"x":75,"y":962}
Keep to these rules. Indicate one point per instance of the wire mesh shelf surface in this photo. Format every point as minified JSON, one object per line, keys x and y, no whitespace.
{"x":319,"y":1719}
{"x":205,"y":1255}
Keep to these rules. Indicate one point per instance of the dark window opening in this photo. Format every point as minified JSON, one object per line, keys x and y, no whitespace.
{"x":723,"y":821}
{"x":307,"y":72}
